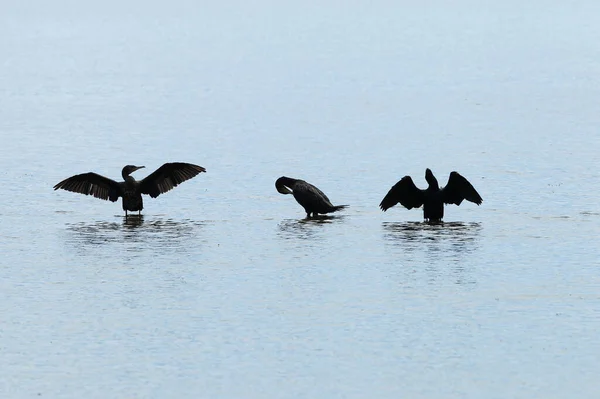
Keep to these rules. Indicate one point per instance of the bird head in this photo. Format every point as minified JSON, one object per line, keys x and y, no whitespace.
{"x":281,"y":187}
{"x":129,"y":169}
{"x":430,"y":178}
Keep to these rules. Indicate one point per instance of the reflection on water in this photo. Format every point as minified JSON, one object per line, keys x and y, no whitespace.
{"x":292,"y":229}
{"x":133,"y":221}
{"x":590,"y":213}
{"x":136,"y":233}
{"x":411,"y":236}
{"x":429,"y":248}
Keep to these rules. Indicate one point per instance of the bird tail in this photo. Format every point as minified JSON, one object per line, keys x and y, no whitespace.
{"x":338,"y":208}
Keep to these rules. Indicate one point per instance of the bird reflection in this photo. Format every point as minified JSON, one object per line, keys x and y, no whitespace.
{"x":135,"y":233}
{"x":291,"y":229}
{"x":133,"y":221}
{"x":427,"y":249}
{"x":460,"y":237}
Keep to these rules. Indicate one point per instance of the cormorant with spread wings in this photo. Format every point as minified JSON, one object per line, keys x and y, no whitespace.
{"x":159,"y":182}
{"x":433,"y":197}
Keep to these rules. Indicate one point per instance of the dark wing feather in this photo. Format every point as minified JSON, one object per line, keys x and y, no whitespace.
{"x":459,"y":189}
{"x":168,"y":176}
{"x":92,"y":184}
{"x":321,"y":193}
{"x":308,"y":195}
{"x":405,"y":192}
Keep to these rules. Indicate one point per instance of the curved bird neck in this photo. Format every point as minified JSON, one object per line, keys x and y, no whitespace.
{"x":285,"y":185}
{"x":287,"y":181}
{"x":129,"y":179}
{"x":126,"y":175}
{"x":433,"y":183}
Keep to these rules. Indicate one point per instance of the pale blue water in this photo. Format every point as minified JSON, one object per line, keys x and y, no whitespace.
{"x":222,"y":290}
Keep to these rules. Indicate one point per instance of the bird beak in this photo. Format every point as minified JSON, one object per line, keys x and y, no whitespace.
{"x":139,"y":167}
{"x":284,"y":190}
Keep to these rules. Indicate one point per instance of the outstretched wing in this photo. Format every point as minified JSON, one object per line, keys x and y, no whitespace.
{"x":92,"y":184}
{"x":459,"y":189}
{"x":168,"y":176}
{"x":405,"y":192}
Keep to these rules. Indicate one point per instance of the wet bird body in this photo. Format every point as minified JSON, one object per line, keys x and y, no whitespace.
{"x":433,"y":197}
{"x":130,"y":190}
{"x":132,"y":194}
{"x":313,"y":200}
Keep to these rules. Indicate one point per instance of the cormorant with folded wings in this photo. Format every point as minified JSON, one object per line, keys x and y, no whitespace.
{"x":313,"y":200}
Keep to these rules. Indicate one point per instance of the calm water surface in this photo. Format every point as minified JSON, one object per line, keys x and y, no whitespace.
{"x":221,"y":289}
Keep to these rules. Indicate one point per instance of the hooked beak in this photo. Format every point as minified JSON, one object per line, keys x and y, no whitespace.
{"x":139,"y":167}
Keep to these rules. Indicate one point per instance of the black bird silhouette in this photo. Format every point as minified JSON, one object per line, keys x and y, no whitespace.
{"x":311,"y":198}
{"x":159,"y":182}
{"x":433,"y":197}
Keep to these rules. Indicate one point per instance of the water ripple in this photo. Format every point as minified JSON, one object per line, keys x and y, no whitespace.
{"x":134,"y":234}
{"x":293,"y":229}
{"x":456,"y":236}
